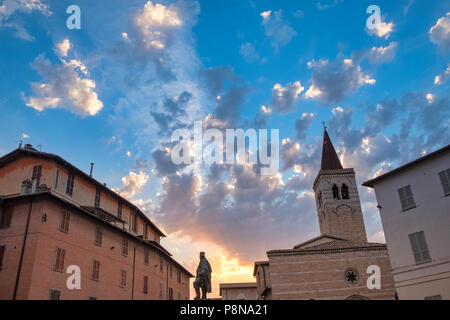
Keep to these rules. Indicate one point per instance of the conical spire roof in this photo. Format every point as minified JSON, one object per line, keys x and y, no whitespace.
{"x":330,"y":159}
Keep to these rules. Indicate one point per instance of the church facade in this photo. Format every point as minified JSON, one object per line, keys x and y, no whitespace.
{"x":338,"y":264}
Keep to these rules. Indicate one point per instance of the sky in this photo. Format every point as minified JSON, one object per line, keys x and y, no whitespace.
{"x":113,"y":92}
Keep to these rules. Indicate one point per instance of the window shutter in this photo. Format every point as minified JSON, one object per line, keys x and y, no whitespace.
{"x":415,"y":247}
{"x":404,"y":202}
{"x":423,"y":246}
{"x":409,"y":197}
{"x":445,"y":180}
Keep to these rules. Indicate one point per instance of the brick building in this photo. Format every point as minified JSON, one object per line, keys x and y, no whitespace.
{"x":338,"y":263}
{"x":54,"y":219}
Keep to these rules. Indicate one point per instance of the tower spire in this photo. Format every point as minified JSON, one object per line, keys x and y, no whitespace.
{"x":330,"y":159}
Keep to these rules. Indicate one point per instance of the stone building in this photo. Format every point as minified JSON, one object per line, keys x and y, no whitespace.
{"x":55,"y":219}
{"x":414,"y":205}
{"x":338,"y":263}
{"x":238,"y":291}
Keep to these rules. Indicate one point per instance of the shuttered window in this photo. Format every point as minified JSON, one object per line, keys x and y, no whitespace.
{"x":123,"y":278}
{"x":96,"y":270}
{"x":59,"y":261}
{"x":98,"y":236}
{"x":5,"y":217}
{"x":145,"y":285}
{"x":97,"y":198}
{"x":37,"y":172}
{"x":146,"y":256}
{"x":70,"y":181}
{"x":64,"y":221}
{"x":445,"y":180}
{"x":2,"y":254}
{"x":406,"y":198}
{"x":419,"y":247}
{"x":55,"y":294}
{"x":125,"y":247}
{"x":119,"y":210}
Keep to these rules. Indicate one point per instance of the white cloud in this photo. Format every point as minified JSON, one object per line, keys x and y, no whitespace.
{"x":62,"y":48}
{"x":383,"y":54}
{"x":249,"y":53}
{"x":25,"y":136}
{"x":430,"y":97}
{"x":284,"y":98}
{"x":440,"y":79}
{"x":382,"y":29}
{"x":11,"y":7}
{"x":332,"y":80}
{"x":64,"y":86}
{"x":440,"y":33}
{"x":133,"y":183}
{"x":155,"y":21}
{"x":278,"y":30}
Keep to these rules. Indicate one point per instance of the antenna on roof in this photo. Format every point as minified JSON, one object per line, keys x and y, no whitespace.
{"x":40,"y":147}
{"x":324,"y":126}
{"x":20,"y":143}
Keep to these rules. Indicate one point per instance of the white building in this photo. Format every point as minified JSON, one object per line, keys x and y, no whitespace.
{"x":414,"y":204}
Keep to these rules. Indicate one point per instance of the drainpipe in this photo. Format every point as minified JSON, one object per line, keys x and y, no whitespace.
{"x":23,"y":250}
{"x":132,"y":280}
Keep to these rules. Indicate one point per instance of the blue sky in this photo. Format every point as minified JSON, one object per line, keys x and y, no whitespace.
{"x":113,"y":91}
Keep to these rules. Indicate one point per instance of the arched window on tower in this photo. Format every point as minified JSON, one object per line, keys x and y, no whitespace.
{"x":335,"y":192}
{"x":344,"y":191}
{"x":319,"y":198}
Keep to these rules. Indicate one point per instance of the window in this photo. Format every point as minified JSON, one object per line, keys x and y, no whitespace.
{"x":160,"y":291}
{"x":178,"y":276}
{"x":406,"y":198}
{"x":419,"y":247}
{"x":319,"y":198}
{"x":125,"y":247}
{"x":145,"y":231}
{"x":37,"y":172}
{"x":445,"y":180}
{"x":436,"y":297}
{"x":59,"y":261}
{"x":146,"y":256}
{"x":119,"y":210}
{"x":345,"y":193}
{"x":5,"y":217}
{"x":135,"y":222}
{"x":160,"y":264}
{"x":335,"y":190}
{"x":97,"y":198}
{"x":92,"y":298}
{"x":171,"y":272}
{"x":98,"y":236}
{"x":2,"y":254}
{"x":145,"y":285}
{"x":70,"y":180}
{"x":123,"y":278}
{"x":170,"y":294}
{"x":95,"y":270}
{"x":64,"y":221}
{"x":351,"y":276}
{"x":55,"y":294}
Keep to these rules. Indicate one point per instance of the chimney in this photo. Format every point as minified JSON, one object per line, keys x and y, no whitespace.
{"x":92,"y":168}
{"x":26,"y":186}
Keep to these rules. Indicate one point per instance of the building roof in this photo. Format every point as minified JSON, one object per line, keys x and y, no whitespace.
{"x":334,"y":246}
{"x":153,"y":244}
{"x":243,"y":285}
{"x":319,"y":239}
{"x":371,"y":183}
{"x":29,"y":151}
{"x":330,"y":159}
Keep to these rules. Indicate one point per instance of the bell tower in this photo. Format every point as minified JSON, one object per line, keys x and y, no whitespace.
{"x":337,"y":199}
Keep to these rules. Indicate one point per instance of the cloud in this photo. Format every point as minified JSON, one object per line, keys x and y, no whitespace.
{"x":331,"y":81}
{"x":10,"y":8}
{"x":326,"y":6}
{"x":284,"y":98}
{"x":248,"y":51}
{"x":62,"y":48}
{"x":262,"y":117}
{"x":155,"y":23}
{"x":25,"y":136}
{"x":64,"y":85}
{"x":440,"y":33}
{"x":443,"y":77}
{"x":302,"y":125}
{"x":383,"y":54}
{"x":133,"y":183}
{"x":278,"y":30}
{"x":382,"y":29}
